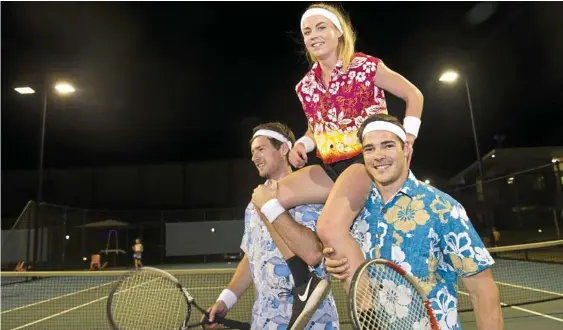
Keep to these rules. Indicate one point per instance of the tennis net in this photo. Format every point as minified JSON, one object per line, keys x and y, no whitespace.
{"x":77,"y":299}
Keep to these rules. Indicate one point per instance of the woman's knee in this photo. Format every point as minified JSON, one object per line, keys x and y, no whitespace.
{"x":308,"y":185}
{"x":331,"y":227}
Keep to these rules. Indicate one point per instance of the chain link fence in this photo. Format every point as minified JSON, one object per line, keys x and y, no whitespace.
{"x":518,"y":208}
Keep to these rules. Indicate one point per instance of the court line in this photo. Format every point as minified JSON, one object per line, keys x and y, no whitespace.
{"x":537,"y":313}
{"x":528,"y":288}
{"x":60,"y":313}
{"x":525,"y":310}
{"x":55,"y":298}
{"x":95,"y":301}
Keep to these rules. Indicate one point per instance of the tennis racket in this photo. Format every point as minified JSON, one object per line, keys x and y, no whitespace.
{"x":150,"y":298}
{"x":383,"y":296}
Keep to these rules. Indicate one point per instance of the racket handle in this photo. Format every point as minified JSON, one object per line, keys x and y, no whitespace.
{"x":232,"y":324}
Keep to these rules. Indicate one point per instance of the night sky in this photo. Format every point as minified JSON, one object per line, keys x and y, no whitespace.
{"x":175,"y":82}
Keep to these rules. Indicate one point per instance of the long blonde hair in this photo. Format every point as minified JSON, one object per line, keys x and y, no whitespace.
{"x":346,"y":43}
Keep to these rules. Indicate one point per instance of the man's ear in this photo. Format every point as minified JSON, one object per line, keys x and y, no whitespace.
{"x":284,"y":149}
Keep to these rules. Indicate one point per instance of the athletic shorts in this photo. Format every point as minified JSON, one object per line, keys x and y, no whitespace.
{"x":334,"y":170}
{"x":137,"y":256}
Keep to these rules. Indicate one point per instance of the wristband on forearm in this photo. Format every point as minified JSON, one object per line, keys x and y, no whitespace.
{"x":228,"y":297}
{"x":272,"y":209}
{"x":307,"y":142}
{"x":412,"y":125}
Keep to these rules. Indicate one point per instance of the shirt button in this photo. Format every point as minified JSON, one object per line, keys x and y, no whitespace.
{"x":378,"y":235}
{"x":331,"y":146}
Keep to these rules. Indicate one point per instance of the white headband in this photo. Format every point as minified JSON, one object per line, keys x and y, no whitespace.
{"x":273,"y":135}
{"x":323,"y":12}
{"x":384,"y":126}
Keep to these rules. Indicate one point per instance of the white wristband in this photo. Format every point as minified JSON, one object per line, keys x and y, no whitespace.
{"x":412,"y":125}
{"x":228,"y":297}
{"x":272,"y":209}
{"x":307,"y":142}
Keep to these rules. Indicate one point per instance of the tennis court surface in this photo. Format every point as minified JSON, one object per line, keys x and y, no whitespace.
{"x":529,"y":278}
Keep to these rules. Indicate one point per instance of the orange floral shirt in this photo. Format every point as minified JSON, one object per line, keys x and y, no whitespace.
{"x":335,"y":114}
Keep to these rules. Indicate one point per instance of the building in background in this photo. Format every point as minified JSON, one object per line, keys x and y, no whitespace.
{"x":522,"y":190}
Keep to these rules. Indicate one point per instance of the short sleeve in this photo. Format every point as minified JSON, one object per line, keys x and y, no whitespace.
{"x":460,"y":243}
{"x":244,"y":245}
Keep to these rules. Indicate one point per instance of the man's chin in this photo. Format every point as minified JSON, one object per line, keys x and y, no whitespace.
{"x":383,"y":180}
{"x":263,"y":174}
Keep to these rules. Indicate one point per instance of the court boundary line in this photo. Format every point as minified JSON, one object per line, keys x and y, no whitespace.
{"x":95,"y":301}
{"x":524,"y":310}
{"x":529,"y":288}
{"x":537,"y":313}
{"x":57,"y":297}
{"x":77,"y":307}
{"x":59,"y":313}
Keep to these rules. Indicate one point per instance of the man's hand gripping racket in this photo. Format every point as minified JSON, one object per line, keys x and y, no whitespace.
{"x":150,"y":298}
{"x":384,"y":296}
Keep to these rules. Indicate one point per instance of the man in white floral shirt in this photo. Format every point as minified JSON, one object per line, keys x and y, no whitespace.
{"x":422,"y":229}
{"x":270,"y":249}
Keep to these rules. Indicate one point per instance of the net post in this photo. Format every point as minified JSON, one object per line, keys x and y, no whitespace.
{"x":559,"y":194}
{"x":84,"y":253}
{"x":556,"y":221}
{"x":29,"y":225}
{"x":35,"y":236}
{"x":484,"y":211}
{"x":162,"y":232}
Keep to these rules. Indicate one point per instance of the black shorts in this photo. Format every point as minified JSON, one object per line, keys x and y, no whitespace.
{"x":334,"y":170}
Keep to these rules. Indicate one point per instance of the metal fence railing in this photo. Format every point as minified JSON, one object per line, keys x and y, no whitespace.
{"x":74,"y":234}
{"x":518,"y":208}
{"x":522,"y":207}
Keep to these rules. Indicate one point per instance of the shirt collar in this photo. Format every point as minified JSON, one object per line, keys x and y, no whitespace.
{"x":409,"y":188}
{"x":316,"y":69}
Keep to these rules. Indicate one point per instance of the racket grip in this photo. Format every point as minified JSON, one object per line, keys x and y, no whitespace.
{"x":232,"y":324}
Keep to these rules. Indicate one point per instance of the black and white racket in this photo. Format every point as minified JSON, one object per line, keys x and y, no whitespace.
{"x":383,"y":296}
{"x":150,"y":298}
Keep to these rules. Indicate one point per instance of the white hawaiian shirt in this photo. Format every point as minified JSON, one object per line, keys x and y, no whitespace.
{"x":272,"y":278}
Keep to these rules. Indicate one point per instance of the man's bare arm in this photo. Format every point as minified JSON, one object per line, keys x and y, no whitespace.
{"x":485,"y":300}
{"x":301,"y":240}
{"x":242,"y":279}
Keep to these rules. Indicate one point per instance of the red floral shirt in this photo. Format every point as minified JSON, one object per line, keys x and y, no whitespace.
{"x":335,"y":114}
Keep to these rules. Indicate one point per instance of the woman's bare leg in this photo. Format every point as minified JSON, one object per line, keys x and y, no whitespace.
{"x":309,"y":185}
{"x":345,"y":201}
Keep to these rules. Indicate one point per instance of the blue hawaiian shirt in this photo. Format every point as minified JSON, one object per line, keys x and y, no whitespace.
{"x":427,"y":233}
{"x":272,"y":278}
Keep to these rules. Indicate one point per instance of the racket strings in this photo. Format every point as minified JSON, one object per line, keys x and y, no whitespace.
{"x":147,"y":300}
{"x":386,"y":300}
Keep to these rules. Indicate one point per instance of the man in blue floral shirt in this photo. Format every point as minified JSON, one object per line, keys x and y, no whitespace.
{"x":420,"y":228}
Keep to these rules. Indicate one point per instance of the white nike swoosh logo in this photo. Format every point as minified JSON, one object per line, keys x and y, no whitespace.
{"x":304,"y":296}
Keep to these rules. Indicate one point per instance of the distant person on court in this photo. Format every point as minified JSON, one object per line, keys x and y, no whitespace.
{"x":271,"y":248}
{"x":341,"y":89}
{"x":420,"y":228}
{"x":138,"y":253}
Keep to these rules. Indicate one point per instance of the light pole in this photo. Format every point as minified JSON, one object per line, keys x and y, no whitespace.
{"x":62,"y":88}
{"x":450,"y":77}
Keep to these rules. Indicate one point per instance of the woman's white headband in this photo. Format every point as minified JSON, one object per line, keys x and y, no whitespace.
{"x":273,"y":135}
{"x":323,"y":12}
{"x":385,"y":126}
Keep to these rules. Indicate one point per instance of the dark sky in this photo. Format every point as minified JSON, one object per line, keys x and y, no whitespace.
{"x":166,"y":82}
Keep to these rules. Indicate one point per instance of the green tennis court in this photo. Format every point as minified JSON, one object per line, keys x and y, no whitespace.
{"x":73,"y":300}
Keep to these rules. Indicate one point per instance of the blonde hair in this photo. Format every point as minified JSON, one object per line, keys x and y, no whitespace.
{"x":346,"y":43}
